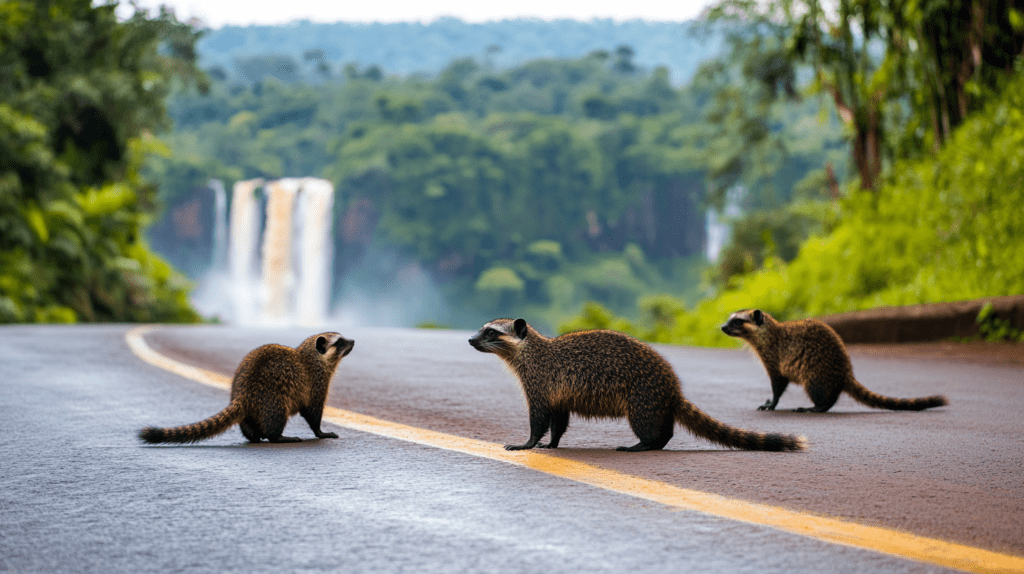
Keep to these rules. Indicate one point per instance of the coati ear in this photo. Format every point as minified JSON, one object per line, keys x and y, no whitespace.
{"x":321,"y":345}
{"x":758,"y":317}
{"x":519,"y":326}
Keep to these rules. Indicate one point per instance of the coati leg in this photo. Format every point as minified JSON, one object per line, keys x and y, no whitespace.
{"x":779,"y":384}
{"x":559,"y":422}
{"x":273,"y":419}
{"x":654,"y":434}
{"x":540,"y":421}
{"x":248,"y":427}
{"x":313,"y":415}
{"x":821,"y":395}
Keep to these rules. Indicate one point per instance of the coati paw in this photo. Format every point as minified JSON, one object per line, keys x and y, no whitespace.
{"x":517,"y":447}
{"x":285,"y":439}
{"x":766,"y":407}
{"x":639,"y":447}
{"x":327,"y":435}
{"x":546,"y":445}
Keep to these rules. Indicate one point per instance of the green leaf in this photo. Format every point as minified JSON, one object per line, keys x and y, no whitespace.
{"x":38,"y":223}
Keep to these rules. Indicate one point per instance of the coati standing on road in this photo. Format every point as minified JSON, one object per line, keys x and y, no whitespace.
{"x":272,"y":383}
{"x":810,"y":353}
{"x":606,"y":374}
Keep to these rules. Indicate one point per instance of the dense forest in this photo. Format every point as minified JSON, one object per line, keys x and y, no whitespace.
{"x":532,"y":188}
{"x":80,"y":95}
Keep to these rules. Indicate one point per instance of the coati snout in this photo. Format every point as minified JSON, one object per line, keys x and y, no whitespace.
{"x":498,"y":336}
{"x":742,"y":321}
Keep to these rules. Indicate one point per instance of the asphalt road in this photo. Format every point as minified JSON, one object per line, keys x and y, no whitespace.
{"x":81,"y":494}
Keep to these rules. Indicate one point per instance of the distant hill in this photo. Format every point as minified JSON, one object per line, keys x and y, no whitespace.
{"x":413,"y":48}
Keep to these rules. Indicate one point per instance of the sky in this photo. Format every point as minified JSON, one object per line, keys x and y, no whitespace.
{"x":218,"y":13}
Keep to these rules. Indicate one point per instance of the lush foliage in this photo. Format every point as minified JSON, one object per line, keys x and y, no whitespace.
{"x":78,"y":93}
{"x":939,"y":228}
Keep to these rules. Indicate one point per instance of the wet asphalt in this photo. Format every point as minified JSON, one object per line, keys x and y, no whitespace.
{"x":81,"y":494}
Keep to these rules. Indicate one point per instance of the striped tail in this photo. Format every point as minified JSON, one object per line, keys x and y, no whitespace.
{"x":862,"y":395}
{"x":196,"y":432}
{"x":708,"y":428}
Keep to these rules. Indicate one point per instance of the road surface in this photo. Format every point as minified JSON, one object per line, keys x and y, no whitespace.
{"x":81,"y":494}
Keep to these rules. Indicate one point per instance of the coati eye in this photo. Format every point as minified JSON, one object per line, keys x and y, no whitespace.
{"x":490,"y":332}
{"x":735,"y":322}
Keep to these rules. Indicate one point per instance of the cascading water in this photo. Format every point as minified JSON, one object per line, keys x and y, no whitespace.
{"x":283,"y":280}
{"x":212,"y":297}
{"x":278,"y":275}
{"x":220,"y":226}
{"x":314,"y":253}
{"x":244,"y":233}
{"x":718,"y":226}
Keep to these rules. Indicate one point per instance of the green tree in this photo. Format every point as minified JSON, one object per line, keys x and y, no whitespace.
{"x":900,"y":74}
{"x":81,"y":93}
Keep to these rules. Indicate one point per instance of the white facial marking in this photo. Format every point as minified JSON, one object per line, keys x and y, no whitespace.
{"x":498,"y":326}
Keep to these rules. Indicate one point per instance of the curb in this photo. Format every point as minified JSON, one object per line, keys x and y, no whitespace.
{"x":927,"y":322}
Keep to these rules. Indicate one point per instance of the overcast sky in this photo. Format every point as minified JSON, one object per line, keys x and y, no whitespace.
{"x":217,"y":13}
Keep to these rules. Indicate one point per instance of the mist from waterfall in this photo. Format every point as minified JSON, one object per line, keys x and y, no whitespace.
{"x":274,"y":270}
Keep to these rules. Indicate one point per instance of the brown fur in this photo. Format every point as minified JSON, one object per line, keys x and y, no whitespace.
{"x":811,"y":354}
{"x":606,"y":374}
{"x":272,"y":383}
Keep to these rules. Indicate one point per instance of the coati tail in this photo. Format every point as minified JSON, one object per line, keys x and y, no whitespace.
{"x":703,"y":426}
{"x":196,"y":432}
{"x":862,"y":395}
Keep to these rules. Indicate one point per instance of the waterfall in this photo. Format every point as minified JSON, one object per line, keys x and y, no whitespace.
{"x":315,"y":251}
{"x":717,"y":233}
{"x":220,"y":226}
{"x":213,"y":295}
{"x":278,"y":275}
{"x":275,"y":269}
{"x":243,"y":235}
{"x":718,"y":225}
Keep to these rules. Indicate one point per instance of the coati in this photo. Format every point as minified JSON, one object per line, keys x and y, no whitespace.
{"x":272,"y":383}
{"x":810,"y":353}
{"x":606,"y":374}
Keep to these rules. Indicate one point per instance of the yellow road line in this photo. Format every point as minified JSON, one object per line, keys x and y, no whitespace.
{"x":824,"y":528}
